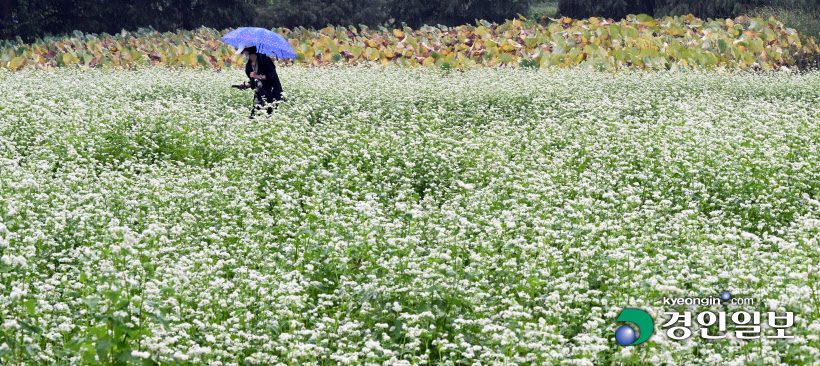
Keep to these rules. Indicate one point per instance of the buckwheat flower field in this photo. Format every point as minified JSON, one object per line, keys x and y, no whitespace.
{"x":403,"y":216}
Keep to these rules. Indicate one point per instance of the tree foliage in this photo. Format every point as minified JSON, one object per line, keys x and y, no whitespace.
{"x":454,"y":12}
{"x":29,"y":19}
{"x":319,"y":14}
{"x":618,"y":9}
{"x":604,"y":8}
{"x":37,"y":18}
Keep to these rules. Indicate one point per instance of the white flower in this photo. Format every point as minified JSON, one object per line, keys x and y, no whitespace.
{"x":139,"y":354}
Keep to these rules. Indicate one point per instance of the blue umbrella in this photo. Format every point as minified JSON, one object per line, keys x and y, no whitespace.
{"x":266,"y":42}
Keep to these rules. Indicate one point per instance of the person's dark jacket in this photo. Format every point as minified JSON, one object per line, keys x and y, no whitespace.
{"x":267,"y":68}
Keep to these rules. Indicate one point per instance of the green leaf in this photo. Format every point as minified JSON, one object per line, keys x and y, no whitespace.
{"x":722,"y":46}
{"x":30,"y":305}
{"x":630,"y":33}
{"x":528,"y":64}
{"x":75,"y":343}
{"x":125,"y":357}
{"x":160,"y":319}
{"x":113,"y":295}
{"x":31,"y":328}
{"x":31,"y":349}
{"x":397,"y":332}
{"x":103,"y":346}
{"x":91,"y":303}
{"x":643,"y":18}
{"x":122,"y":304}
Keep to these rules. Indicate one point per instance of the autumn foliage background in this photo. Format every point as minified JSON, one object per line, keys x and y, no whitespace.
{"x":604,"y":44}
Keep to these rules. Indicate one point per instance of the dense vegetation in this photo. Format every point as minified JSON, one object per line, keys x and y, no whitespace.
{"x":57,"y":17}
{"x":699,"y":8}
{"x":402,"y":216}
{"x":30,"y":19}
{"x":635,"y":42}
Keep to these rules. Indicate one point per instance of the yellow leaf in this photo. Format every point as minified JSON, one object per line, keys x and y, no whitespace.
{"x":16,"y":63}
{"x":427,"y":61}
{"x":372,"y":53}
{"x":642,"y":43}
{"x":398,"y":33}
{"x":594,"y":20}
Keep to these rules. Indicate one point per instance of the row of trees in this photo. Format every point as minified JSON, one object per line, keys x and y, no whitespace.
{"x":700,"y":8}
{"x":36,"y":18}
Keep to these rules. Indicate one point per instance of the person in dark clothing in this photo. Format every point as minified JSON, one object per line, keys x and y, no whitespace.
{"x":263,"y":79}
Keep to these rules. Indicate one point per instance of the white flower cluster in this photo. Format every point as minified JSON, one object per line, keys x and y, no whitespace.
{"x":401,"y":216}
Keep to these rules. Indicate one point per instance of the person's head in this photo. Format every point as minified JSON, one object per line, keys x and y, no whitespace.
{"x":249,"y":53}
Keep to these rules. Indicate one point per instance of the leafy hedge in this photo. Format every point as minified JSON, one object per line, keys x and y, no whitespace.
{"x":604,"y":44}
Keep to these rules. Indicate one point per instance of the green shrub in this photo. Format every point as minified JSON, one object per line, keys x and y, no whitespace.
{"x":543,"y":9}
{"x":803,"y":19}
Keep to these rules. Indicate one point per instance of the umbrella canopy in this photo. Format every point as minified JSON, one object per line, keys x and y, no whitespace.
{"x":266,"y":42}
